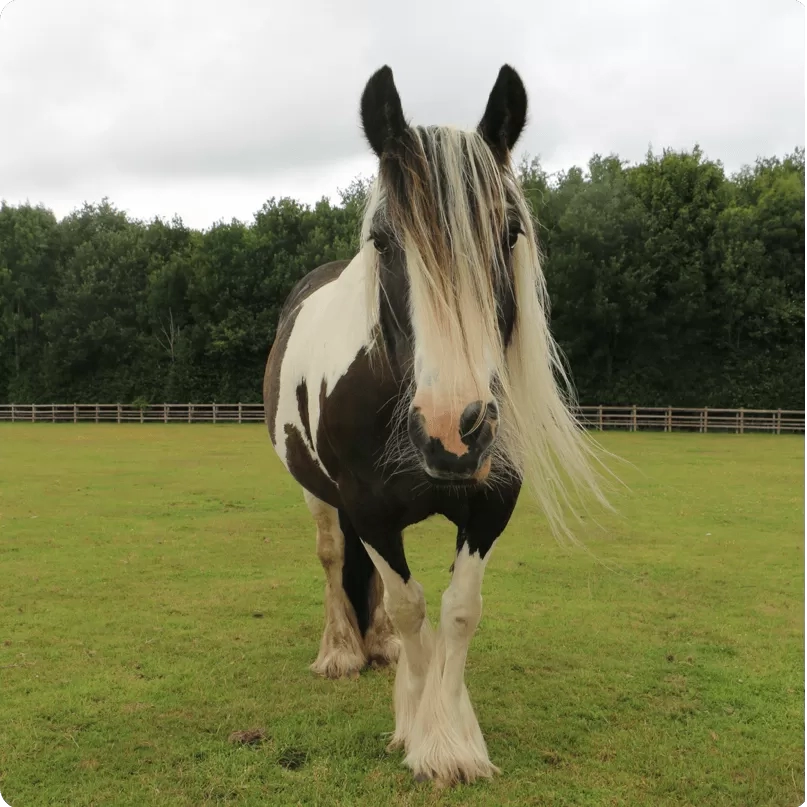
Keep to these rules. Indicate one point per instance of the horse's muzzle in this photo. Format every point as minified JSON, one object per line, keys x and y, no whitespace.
{"x":455,"y":450}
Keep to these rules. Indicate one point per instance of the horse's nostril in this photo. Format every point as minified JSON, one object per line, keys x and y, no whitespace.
{"x":476,"y":426}
{"x":471,"y":420}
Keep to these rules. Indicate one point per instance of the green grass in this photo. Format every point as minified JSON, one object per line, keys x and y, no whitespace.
{"x":159,"y":589}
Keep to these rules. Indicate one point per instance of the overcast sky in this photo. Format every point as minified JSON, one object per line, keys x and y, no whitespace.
{"x":206,"y":109}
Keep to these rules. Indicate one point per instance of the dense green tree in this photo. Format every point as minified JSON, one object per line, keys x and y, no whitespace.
{"x":594,"y":273}
{"x":29,"y":253}
{"x":671,"y":283}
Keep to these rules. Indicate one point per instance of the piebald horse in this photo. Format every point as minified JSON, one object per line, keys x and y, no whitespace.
{"x":420,"y":378}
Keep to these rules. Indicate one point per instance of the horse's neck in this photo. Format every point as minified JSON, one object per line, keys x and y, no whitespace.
{"x":333,"y":325}
{"x":349,"y":302}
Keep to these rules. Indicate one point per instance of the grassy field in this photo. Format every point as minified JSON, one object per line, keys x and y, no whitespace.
{"x":160,"y":590}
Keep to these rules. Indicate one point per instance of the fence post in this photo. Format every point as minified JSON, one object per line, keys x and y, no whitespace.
{"x":742,"y":420}
{"x":706,"y":419}
{"x":633,"y":417}
{"x":215,"y":412}
{"x":668,"y":424}
{"x":53,"y":413}
{"x":119,"y":413}
{"x":599,"y":417}
{"x":75,"y":413}
{"x":239,"y":412}
{"x":33,"y":413}
{"x":13,"y":413}
{"x":190,"y":413}
{"x":778,"y":421}
{"x":141,"y":414}
{"x":165,"y":413}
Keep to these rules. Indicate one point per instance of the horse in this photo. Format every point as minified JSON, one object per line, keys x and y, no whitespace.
{"x":420,"y":378}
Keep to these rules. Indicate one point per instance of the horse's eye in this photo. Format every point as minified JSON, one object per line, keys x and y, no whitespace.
{"x":381,"y":243}
{"x":512,"y":236}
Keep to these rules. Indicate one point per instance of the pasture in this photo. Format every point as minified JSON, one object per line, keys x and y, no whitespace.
{"x":160,"y":590}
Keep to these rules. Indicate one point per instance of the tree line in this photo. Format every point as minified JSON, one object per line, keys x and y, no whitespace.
{"x":672,"y":283}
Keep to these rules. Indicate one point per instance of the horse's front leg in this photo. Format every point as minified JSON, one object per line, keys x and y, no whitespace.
{"x":406,"y":607}
{"x":446,"y":743}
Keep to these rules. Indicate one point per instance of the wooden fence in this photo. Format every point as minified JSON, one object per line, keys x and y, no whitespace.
{"x":124,"y":413}
{"x":670,"y":418}
{"x":630,"y":418}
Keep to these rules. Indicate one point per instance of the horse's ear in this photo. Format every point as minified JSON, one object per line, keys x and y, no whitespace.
{"x":505,"y":114}
{"x":382,"y":117}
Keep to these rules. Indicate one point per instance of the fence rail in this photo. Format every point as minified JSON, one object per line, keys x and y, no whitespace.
{"x":630,"y":418}
{"x":670,"y":418}
{"x":124,"y":413}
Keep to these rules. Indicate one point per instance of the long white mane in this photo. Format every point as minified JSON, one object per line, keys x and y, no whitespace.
{"x":450,"y":224}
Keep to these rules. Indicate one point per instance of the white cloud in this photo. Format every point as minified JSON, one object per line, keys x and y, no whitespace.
{"x":208,"y":108}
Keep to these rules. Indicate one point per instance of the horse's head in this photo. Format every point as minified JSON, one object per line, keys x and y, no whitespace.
{"x":445,"y":219}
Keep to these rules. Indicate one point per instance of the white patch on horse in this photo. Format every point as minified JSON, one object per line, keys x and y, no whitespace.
{"x":331,"y":328}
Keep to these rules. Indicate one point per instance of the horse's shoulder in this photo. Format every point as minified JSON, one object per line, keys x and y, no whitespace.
{"x":308,"y":284}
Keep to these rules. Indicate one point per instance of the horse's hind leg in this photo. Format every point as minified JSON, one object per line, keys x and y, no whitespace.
{"x":381,"y":640}
{"x":341,"y":651}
